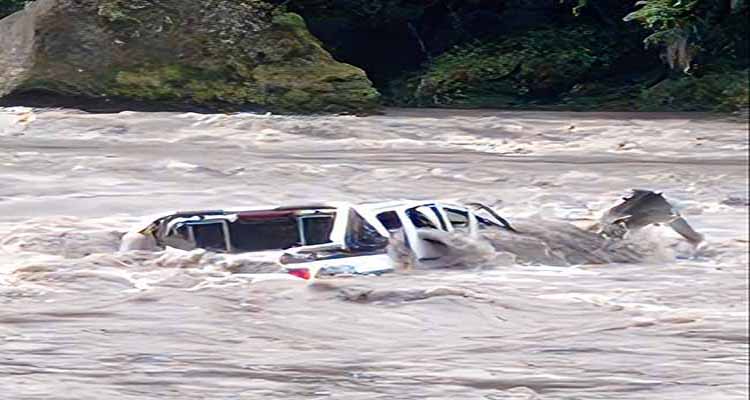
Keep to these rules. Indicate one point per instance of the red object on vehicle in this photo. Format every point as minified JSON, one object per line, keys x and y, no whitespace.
{"x":303,"y":273}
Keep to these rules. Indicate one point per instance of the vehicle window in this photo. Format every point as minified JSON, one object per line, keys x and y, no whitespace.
{"x":419,"y":220}
{"x":459,"y":219}
{"x":316,"y":229}
{"x":362,"y":236}
{"x":265,"y":234}
{"x":390,"y":220}
{"x":209,"y":236}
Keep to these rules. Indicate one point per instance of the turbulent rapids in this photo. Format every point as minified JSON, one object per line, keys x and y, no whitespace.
{"x":569,"y":302}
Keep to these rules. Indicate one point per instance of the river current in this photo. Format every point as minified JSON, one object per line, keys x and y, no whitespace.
{"x":80,"y":320}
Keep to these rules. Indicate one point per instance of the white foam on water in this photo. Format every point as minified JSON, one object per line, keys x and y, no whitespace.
{"x":199,"y":325}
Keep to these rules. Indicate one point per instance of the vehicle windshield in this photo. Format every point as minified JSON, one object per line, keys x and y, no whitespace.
{"x":459,"y":219}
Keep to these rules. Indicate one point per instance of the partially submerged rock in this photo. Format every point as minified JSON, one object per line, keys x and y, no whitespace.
{"x":215,"y":53}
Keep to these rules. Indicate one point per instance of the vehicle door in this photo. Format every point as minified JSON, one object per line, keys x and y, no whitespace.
{"x":423,"y":217}
{"x":460,"y":219}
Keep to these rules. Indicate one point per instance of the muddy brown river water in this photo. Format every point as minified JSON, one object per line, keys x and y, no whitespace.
{"x":80,"y":320}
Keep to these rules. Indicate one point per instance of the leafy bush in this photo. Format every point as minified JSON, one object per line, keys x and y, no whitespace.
{"x":537,"y":65}
{"x":677,"y":27}
{"x":685,"y":28}
{"x":715,"y":91}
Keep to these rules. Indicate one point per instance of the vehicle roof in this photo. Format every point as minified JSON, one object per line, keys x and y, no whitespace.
{"x":371,"y":207}
{"x":400,"y":204}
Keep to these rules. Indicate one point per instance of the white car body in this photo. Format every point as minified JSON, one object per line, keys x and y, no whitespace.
{"x":333,"y":238}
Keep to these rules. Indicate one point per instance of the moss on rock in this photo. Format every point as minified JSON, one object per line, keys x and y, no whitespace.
{"x":216,"y":53}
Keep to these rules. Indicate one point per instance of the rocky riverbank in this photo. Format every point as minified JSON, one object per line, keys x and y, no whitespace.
{"x":354,"y":56}
{"x":217,"y":54}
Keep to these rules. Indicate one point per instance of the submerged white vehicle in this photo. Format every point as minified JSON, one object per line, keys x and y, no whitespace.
{"x":360,"y":239}
{"x":319,"y":239}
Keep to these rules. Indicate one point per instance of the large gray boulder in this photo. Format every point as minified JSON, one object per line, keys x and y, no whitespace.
{"x":215,"y":53}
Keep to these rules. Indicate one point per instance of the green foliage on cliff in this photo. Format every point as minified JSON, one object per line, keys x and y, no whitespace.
{"x":714,"y":91}
{"x":609,"y":54}
{"x":579,"y":54}
{"x":540,"y":64}
{"x":688,"y":28}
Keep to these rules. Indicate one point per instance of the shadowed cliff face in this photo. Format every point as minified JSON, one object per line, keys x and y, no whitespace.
{"x":477,"y":54}
{"x":214,"y":53}
{"x":387,"y":38}
{"x":564,"y":55}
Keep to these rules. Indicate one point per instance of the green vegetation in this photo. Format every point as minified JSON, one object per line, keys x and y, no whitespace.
{"x":571,"y":54}
{"x":539,"y":66}
{"x":686,"y":28}
{"x":714,"y":91}
{"x":563,"y":54}
{"x":707,"y":40}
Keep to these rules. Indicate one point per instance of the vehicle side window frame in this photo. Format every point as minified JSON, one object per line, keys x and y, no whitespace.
{"x":396,"y":219}
{"x":303,"y":219}
{"x":189,"y":225}
{"x":438,"y":210}
{"x":460,"y":211}
{"x":415,"y":216}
